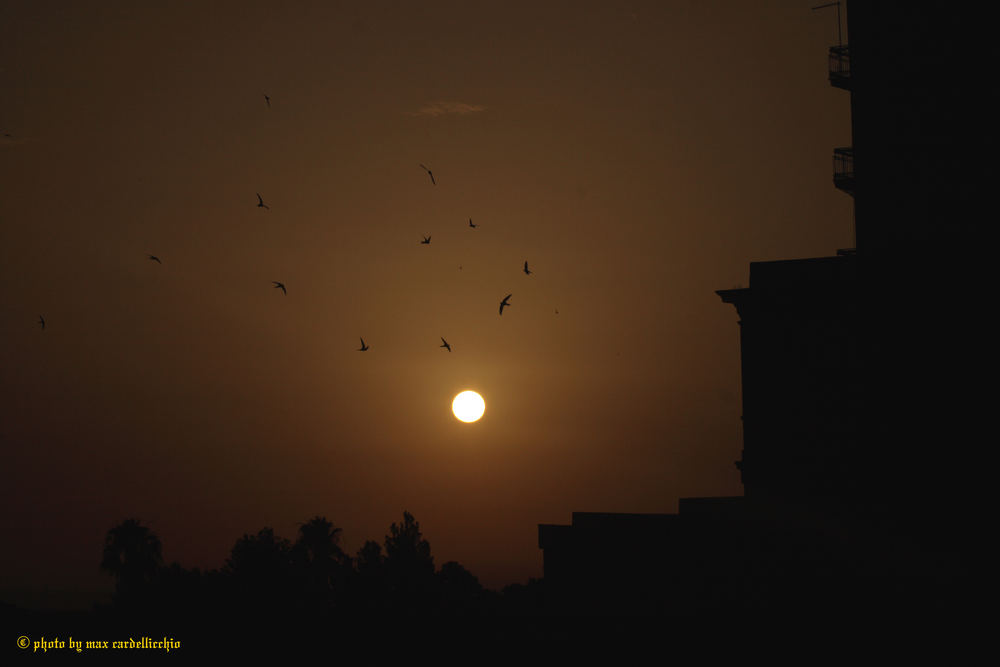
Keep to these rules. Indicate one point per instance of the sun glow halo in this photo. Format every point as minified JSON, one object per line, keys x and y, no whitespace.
{"x":468,"y":406}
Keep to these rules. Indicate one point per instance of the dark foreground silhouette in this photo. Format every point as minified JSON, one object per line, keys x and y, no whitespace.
{"x":271,"y":585}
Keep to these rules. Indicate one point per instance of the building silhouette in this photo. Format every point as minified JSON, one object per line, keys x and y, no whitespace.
{"x":863,"y":424}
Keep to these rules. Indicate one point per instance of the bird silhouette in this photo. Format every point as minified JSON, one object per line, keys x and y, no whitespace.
{"x":363,"y":347}
{"x":426,"y":241}
{"x":429,"y":173}
{"x":267,"y":99}
{"x":260,"y":202}
{"x":527,"y":271}
{"x":41,"y":320}
{"x":154,"y":258}
{"x":280,"y":286}
{"x":505,"y":302}
{"x":444,"y":344}
{"x":471,"y":224}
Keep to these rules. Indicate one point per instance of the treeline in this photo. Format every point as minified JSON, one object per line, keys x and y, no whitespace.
{"x":268,"y":578}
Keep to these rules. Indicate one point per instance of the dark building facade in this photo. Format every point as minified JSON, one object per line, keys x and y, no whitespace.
{"x":863,"y":424}
{"x":923,"y":126}
{"x":801,"y":378}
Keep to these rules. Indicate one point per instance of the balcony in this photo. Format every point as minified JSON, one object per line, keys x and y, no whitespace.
{"x":840,"y":67}
{"x":843,"y":169}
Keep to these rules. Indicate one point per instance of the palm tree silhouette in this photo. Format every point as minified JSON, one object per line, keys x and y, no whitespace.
{"x":318,"y":554}
{"x":132,"y":554}
{"x":319,"y":543}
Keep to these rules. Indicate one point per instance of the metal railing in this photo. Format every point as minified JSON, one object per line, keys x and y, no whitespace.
{"x":843,"y":168}
{"x":840,"y":67}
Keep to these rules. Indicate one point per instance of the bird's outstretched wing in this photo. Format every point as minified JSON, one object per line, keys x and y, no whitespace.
{"x":429,"y":173}
{"x":505,"y":302}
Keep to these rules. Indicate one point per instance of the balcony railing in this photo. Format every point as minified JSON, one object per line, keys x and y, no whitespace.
{"x":843,"y":169}
{"x":840,"y":67}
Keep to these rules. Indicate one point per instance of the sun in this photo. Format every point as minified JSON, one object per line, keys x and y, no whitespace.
{"x":468,"y":406}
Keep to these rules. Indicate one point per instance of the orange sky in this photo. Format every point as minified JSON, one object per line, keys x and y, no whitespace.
{"x":638,"y":155}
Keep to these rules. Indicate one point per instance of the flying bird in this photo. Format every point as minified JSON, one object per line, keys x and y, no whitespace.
{"x":445,"y":344}
{"x":260,"y":202}
{"x":41,"y":320}
{"x":267,"y":99}
{"x":154,"y":258}
{"x":429,"y":173}
{"x":280,"y":286}
{"x":527,"y":271}
{"x":471,"y":224}
{"x":363,"y":347}
{"x":426,"y":241}
{"x":505,"y":302}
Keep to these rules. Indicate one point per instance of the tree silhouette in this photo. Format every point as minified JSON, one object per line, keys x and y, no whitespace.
{"x":371,"y":586}
{"x":319,"y":544}
{"x":132,"y":554}
{"x":370,"y":558}
{"x":460,"y":590}
{"x":319,"y":560}
{"x":405,"y":545}
{"x":259,"y":568}
{"x":409,"y":565}
{"x":268,"y":580}
{"x":260,"y":556}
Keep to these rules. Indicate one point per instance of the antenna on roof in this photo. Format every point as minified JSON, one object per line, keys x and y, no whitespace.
{"x":840,"y":39}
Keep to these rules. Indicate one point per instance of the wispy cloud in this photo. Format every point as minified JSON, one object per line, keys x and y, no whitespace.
{"x":442,"y":108}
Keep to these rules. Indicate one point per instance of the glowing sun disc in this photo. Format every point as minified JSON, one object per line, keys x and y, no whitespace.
{"x":468,"y":406}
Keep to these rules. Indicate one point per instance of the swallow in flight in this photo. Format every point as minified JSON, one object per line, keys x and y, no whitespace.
{"x":429,"y":173}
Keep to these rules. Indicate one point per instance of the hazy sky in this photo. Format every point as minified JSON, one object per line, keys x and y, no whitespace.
{"x":637,"y":154}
